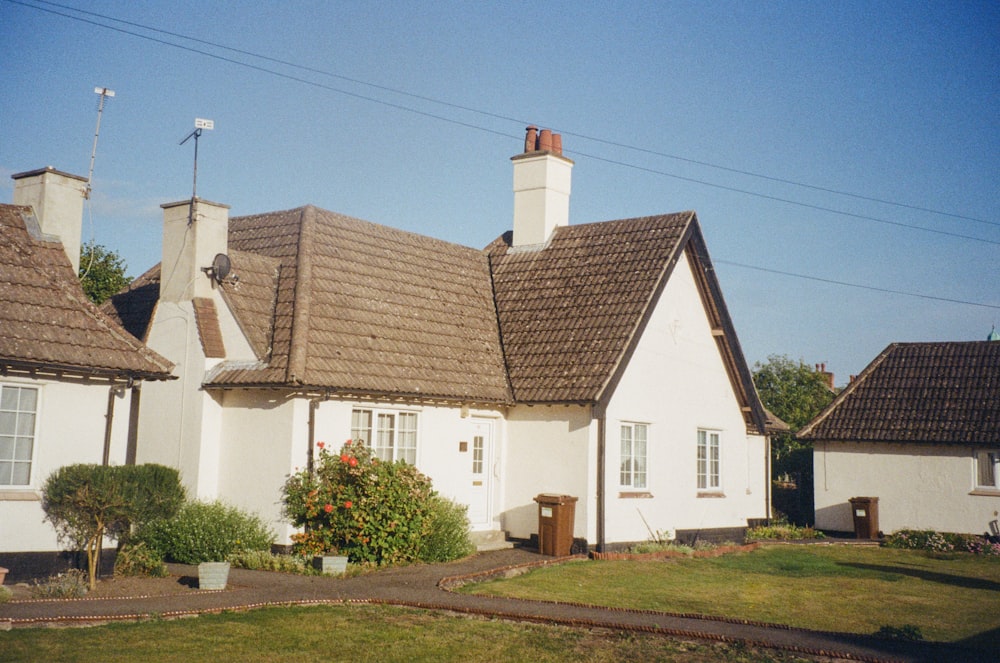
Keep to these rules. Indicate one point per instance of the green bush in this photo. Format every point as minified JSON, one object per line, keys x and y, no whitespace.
{"x":448,"y":535}
{"x":138,"y":559}
{"x":205,"y":532}
{"x":262,"y":560}
{"x":69,"y":585}
{"x":5,"y":594}
{"x":783,"y":532}
{"x":356,"y":505}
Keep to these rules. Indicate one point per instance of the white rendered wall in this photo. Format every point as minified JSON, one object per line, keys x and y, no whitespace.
{"x":677,"y":383}
{"x":264,"y":439}
{"x":550,"y":449}
{"x":267,"y":438}
{"x":918,"y":486}
{"x":70,"y":429}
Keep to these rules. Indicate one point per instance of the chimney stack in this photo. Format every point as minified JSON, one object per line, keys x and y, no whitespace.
{"x":57,"y":199}
{"x":194,"y":232}
{"x":541,"y":187}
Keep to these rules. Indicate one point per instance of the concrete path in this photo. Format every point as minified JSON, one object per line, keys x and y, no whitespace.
{"x":427,"y":586}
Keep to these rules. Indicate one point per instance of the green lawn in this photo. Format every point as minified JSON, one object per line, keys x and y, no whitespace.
{"x":834,"y":588}
{"x":360,"y":633}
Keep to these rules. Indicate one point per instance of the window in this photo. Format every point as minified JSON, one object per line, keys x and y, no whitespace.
{"x":633,"y":456}
{"x":988,"y":469}
{"x":17,"y":434}
{"x":395,"y":434}
{"x":708,"y":460}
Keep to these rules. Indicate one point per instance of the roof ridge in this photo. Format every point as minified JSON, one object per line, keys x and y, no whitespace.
{"x":298,"y":339}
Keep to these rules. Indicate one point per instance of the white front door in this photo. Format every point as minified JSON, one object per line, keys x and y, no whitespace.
{"x":481,"y":474}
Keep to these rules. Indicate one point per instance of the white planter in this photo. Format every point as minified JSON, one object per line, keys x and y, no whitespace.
{"x":331,"y":564}
{"x":213,"y":575}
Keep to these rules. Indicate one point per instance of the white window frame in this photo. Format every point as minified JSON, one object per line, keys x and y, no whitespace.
{"x":18,"y":433}
{"x":634,"y":460}
{"x":709,"y":458}
{"x":986,"y":468}
{"x":390,"y":434}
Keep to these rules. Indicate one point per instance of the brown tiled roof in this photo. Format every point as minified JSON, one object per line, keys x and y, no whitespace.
{"x":567,"y":312}
{"x":209,"y":332}
{"x":335,"y":303}
{"x":47,"y":324}
{"x":919,"y":392}
{"x":364,"y":308}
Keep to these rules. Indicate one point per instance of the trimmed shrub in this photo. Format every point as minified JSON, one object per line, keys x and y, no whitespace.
{"x":783,"y":532}
{"x":87,"y":502}
{"x":448,"y":536}
{"x":138,"y":559}
{"x":205,"y":532}
{"x":374,"y":512}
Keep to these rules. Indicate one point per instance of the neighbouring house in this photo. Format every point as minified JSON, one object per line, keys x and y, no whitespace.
{"x":70,"y":376}
{"x":919,"y":429}
{"x":594,"y":360}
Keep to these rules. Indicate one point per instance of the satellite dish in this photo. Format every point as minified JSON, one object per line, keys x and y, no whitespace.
{"x":221,"y":266}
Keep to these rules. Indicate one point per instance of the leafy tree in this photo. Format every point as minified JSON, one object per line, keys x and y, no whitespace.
{"x":86,"y":502}
{"x":102,"y":272}
{"x":791,"y":390}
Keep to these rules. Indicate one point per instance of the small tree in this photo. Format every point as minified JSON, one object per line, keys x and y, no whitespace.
{"x":85,"y":503}
{"x":102,"y":272}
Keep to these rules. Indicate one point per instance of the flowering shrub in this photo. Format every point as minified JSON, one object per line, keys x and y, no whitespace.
{"x":353,"y":504}
{"x":941,"y":542}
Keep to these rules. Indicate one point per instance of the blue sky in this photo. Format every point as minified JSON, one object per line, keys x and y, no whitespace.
{"x":892,"y":101}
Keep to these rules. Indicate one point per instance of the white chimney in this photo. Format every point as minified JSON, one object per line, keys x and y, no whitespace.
{"x":541,"y":188}
{"x":57,"y":199}
{"x":194,"y":232}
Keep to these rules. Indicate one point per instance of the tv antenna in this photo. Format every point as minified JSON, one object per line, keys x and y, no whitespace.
{"x":199,"y":126}
{"x":105,"y":94}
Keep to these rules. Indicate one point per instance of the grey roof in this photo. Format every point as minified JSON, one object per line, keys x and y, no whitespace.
{"x":47,"y":324}
{"x":943,"y":392}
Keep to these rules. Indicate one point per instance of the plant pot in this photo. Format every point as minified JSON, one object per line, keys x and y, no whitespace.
{"x":331,"y":564}
{"x":213,"y":575}
{"x":3,"y":574}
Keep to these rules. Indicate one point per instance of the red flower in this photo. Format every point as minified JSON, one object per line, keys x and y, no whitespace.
{"x":353,"y":462}
{"x":347,"y":444}
{"x":344,"y":458}
{"x":321,"y":444}
{"x":328,"y":508}
{"x":348,"y":504}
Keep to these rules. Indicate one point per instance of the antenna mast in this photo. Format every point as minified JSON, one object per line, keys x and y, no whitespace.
{"x":199,"y":126}
{"x":105,"y":94}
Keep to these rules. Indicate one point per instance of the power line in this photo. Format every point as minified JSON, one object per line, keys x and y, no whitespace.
{"x":854,"y":285}
{"x":521,"y":121}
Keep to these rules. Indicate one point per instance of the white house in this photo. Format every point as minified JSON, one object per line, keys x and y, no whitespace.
{"x":70,"y":377}
{"x":919,"y":429}
{"x":594,"y":360}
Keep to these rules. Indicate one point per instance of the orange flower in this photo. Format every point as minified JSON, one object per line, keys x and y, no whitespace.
{"x":328,"y":508}
{"x":353,"y":462}
{"x":344,"y":458}
{"x":321,"y":444}
{"x":348,"y":504}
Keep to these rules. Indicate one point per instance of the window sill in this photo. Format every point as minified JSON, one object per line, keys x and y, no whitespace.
{"x":710,"y":494}
{"x":20,"y":495}
{"x":986,"y":492}
{"x":640,"y":495}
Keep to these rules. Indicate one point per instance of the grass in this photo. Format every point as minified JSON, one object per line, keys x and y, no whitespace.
{"x":953,"y":598}
{"x":361,"y":633}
